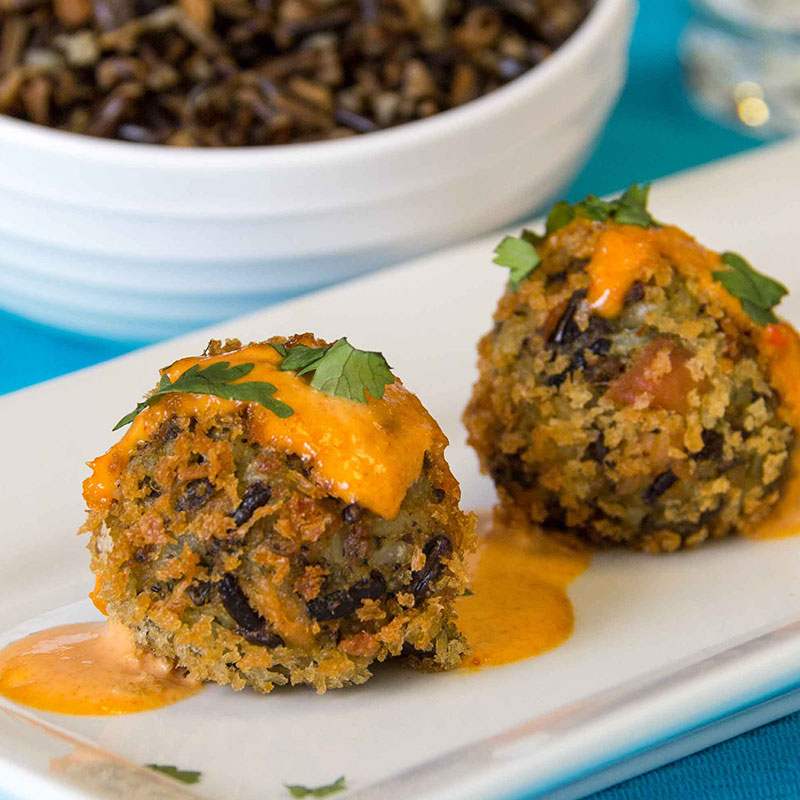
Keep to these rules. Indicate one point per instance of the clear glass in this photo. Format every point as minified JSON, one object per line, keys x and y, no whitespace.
{"x":741,"y":61}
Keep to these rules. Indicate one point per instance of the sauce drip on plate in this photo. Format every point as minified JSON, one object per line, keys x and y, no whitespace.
{"x":88,"y":668}
{"x":519,"y":607}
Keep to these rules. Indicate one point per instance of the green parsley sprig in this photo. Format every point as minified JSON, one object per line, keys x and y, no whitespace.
{"x":630,"y":208}
{"x":215,"y":379}
{"x":519,"y":255}
{"x":757,"y":293}
{"x":339,"y":369}
{"x":298,"y":790}
{"x":182,"y":775}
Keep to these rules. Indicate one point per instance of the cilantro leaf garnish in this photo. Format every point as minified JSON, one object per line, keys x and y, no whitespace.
{"x":630,"y":208}
{"x":520,"y":256}
{"x":182,"y":775}
{"x":340,"y":369}
{"x":757,"y":293}
{"x":215,"y":379}
{"x":298,"y":790}
{"x":561,"y":214}
{"x":301,"y":358}
{"x":519,"y":253}
{"x":281,"y":348}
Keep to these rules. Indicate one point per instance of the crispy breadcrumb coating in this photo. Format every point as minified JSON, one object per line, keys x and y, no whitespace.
{"x":658,"y":426}
{"x":235,"y":560}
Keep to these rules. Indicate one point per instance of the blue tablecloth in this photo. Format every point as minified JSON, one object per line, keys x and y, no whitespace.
{"x":653,"y":132}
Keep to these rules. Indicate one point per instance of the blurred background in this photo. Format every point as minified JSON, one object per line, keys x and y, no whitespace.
{"x":670,"y":116}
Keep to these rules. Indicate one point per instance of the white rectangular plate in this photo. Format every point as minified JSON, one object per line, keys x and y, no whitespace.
{"x":662,"y":645}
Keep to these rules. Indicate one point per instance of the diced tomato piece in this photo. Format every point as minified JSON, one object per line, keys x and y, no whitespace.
{"x":667,"y":387}
{"x":776,"y":335}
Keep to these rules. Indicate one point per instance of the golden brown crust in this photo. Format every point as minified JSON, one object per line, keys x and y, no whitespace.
{"x":660,"y":425}
{"x":234,"y":559}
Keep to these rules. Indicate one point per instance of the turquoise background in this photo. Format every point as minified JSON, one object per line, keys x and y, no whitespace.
{"x":653,"y":132}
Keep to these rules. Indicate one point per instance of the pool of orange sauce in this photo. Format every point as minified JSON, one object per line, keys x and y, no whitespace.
{"x":519,"y":606}
{"x":88,"y":668}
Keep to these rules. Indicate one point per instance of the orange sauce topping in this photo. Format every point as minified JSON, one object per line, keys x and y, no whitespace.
{"x":519,"y":607}
{"x":626,"y":253}
{"x":368,"y":453}
{"x":88,"y":668}
{"x":617,"y":261}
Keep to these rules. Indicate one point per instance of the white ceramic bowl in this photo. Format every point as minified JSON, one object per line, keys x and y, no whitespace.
{"x":140,"y":241}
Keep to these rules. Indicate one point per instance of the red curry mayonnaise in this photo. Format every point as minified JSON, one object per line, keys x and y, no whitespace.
{"x":519,"y":607}
{"x":89,"y":668}
{"x":369,"y":453}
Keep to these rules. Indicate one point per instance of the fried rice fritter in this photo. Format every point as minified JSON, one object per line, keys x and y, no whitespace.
{"x":627,"y":396}
{"x":258,"y":551}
